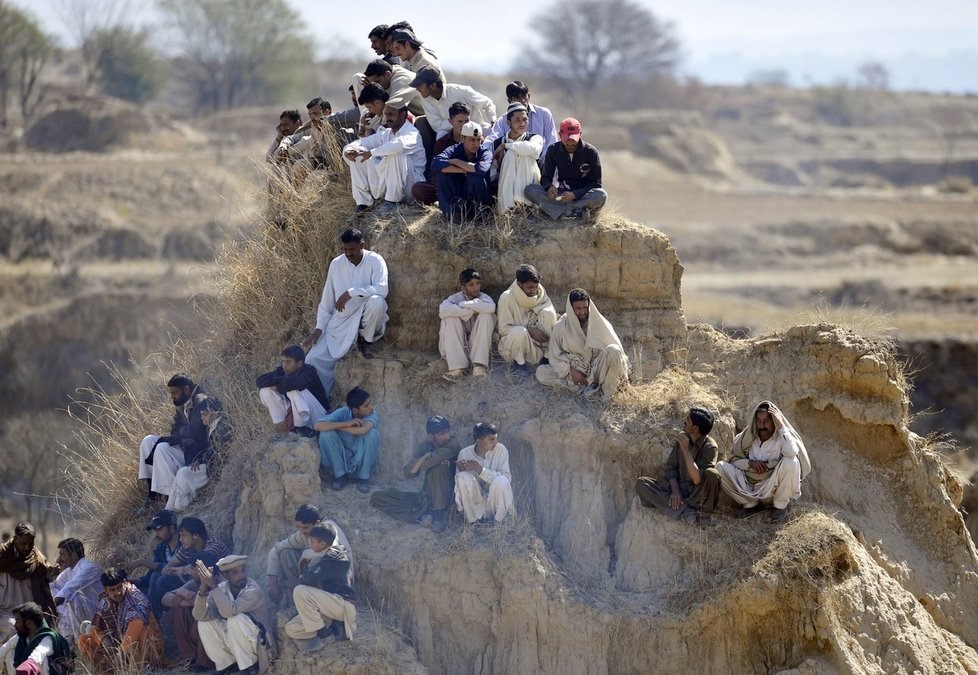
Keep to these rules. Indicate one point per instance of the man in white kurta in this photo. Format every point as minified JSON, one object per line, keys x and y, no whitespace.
{"x":516,"y":153}
{"x":354,"y":303}
{"x":437,"y":97}
{"x":767,"y":463}
{"x":467,"y":320}
{"x":229,"y":635}
{"x":192,"y":478}
{"x":525,"y":317}
{"x":385,"y":165}
{"x":483,"y":482}
{"x":77,"y":587}
{"x":585,"y":352}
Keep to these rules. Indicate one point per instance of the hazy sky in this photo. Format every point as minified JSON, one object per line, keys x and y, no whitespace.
{"x":925,"y":44}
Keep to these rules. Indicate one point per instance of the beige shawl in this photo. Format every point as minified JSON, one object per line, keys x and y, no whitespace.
{"x":516,"y":308}
{"x":571,"y":347}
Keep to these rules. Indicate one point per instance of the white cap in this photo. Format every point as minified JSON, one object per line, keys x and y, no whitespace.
{"x":472,"y":129}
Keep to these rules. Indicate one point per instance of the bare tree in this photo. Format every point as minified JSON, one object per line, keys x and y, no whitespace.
{"x":583,"y":43}
{"x":873,"y":76}
{"x":86,"y":19}
{"x":24,"y":52}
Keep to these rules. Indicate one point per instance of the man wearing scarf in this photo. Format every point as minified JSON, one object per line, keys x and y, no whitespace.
{"x":123,"y":625}
{"x":525,"y":317}
{"x":767,"y":464}
{"x":36,"y":647}
{"x":160,"y":457}
{"x":24,"y":577}
{"x":585,"y":353}
{"x":194,"y":476}
{"x":516,"y":154}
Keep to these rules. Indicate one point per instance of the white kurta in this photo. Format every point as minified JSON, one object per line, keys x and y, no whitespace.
{"x":598,"y":353}
{"x":396,"y":163}
{"x":363,"y":281}
{"x":80,"y":587}
{"x":482,"y":110}
{"x":167,"y":460}
{"x":516,"y":312}
{"x":518,"y":169}
{"x":466,"y":330}
{"x":42,"y":651}
{"x":305,"y":407}
{"x":785,"y":455}
{"x":491,"y":492}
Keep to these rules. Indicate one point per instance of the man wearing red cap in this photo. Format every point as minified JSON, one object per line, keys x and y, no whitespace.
{"x":577,"y":193}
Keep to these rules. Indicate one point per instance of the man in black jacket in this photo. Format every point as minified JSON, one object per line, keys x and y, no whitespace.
{"x":325,"y":593}
{"x":578,"y":193}
{"x":160,"y":457}
{"x":293,"y":393}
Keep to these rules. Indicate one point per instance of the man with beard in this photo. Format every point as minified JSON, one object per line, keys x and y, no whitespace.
{"x":232,"y":615}
{"x":387,"y":164}
{"x":123,"y":627}
{"x":585,"y":352}
{"x":353,"y":307}
{"x":767,"y":464}
{"x":24,"y":577}
{"x":77,"y":587}
{"x":160,"y":457}
{"x":525,"y":317}
{"x":36,"y":647}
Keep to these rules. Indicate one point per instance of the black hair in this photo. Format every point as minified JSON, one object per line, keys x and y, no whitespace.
{"x":377,"y":67}
{"x":325,"y":105}
{"x":294,"y":352}
{"x":526,"y":273}
{"x":578,"y":294}
{"x":24,"y":528}
{"x":377,"y":31}
{"x":113,"y":576}
{"x":372,"y":92}
{"x":211,"y":404}
{"x":323,"y":533}
{"x":30,"y":611}
{"x":458,"y":108}
{"x":314,"y":103}
{"x":308,"y":513}
{"x":180,"y":380}
{"x":517,"y":89}
{"x":350,"y":235}
{"x":702,"y":419}
{"x":72,"y":546}
{"x":356,"y":397}
{"x":194,"y":526}
{"x":468,"y":274}
{"x":483,"y":429}
{"x":292,"y":114}
{"x":394,"y":27}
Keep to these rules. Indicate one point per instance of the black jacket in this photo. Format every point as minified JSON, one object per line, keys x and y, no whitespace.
{"x":332,"y":574}
{"x":305,"y":378}
{"x":218,"y":439}
{"x":580,"y":174}
{"x":188,"y":430}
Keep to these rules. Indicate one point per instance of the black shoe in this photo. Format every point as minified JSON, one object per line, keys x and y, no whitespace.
{"x":751,"y":510}
{"x":439,"y":522}
{"x":197,"y":668}
{"x":365,"y":349}
{"x":338,"y":484}
{"x":339,"y":630}
{"x":779,"y":515}
{"x":361,"y":208}
{"x":305,"y":432}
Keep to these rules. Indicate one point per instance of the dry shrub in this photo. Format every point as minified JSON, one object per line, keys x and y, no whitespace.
{"x":868,"y":321}
{"x":662,"y":402}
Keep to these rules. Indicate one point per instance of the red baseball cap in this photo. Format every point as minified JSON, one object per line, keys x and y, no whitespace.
{"x":570,"y":128}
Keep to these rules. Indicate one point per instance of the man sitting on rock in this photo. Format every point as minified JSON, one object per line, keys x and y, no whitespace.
{"x":483,"y":482}
{"x":437,"y":97}
{"x":160,"y":457}
{"x":578,"y":192}
{"x":164,"y":528}
{"x":353,"y":308}
{"x":293,"y":393}
{"x":325,"y":591}
{"x":195,"y":544}
{"x":767,"y":464}
{"x":436,"y":458}
{"x":525,"y":317}
{"x":233,"y":616}
{"x":692,"y":483}
{"x":461,"y":174}
{"x":386,"y":164}
{"x":584,"y":351}
{"x":35,"y":647}
{"x":282,"y":566}
{"x":426,"y":192}
{"x":196,"y":474}
{"x":77,"y":587}
{"x":24,"y":577}
{"x":467,"y":319}
{"x":180,"y":604}
{"x":349,"y":441}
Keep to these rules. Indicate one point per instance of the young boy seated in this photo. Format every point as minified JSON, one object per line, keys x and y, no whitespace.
{"x":467,"y":320}
{"x":320,"y":538}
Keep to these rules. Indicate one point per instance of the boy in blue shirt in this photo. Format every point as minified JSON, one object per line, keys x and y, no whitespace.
{"x":349,"y":441}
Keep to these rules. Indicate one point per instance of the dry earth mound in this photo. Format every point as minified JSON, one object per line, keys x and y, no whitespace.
{"x":875,"y":571}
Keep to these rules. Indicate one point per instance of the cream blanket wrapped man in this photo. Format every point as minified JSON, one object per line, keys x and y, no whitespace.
{"x":525,"y":317}
{"x":585,"y":352}
{"x":767,"y":463}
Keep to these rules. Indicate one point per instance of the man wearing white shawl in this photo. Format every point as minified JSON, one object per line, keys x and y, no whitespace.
{"x":354,"y":305}
{"x":584,"y":353}
{"x":525,"y":317}
{"x":516,"y":153}
{"x":767,"y":464}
